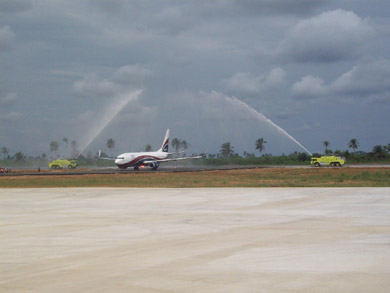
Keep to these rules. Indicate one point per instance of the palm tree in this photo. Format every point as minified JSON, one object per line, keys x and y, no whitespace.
{"x":176,"y":144}
{"x":260,"y":144}
{"x":73,"y":145}
{"x":387,"y":148}
{"x":4,"y":151}
{"x":326,"y":144}
{"x":54,"y":145}
{"x":378,"y":151}
{"x":148,"y":148}
{"x":19,"y":156}
{"x":226,"y":150}
{"x":65,"y":140}
{"x":111,"y":144}
{"x":184,"y":144}
{"x":353,"y":144}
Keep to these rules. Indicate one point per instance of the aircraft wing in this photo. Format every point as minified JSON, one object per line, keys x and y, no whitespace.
{"x":103,"y":158}
{"x":109,"y":159}
{"x":176,"y":153}
{"x":173,"y":159}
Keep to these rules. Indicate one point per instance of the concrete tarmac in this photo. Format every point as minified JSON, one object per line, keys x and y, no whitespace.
{"x":195,"y":240}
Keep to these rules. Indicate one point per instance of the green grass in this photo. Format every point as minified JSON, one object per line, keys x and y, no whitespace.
{"x":272,"y":177}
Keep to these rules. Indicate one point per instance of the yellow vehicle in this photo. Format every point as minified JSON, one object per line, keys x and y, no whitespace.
{"x":63,"y":163}
{"x":332,"y":161}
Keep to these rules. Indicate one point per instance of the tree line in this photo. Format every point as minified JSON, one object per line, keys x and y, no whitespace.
{"x":378,"y":151}
{"x":226,"y":152}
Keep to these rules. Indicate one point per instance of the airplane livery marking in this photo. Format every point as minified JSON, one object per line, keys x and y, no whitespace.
{"x":151,"y":159}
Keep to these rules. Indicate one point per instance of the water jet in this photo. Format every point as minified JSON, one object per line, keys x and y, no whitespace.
{"x":119,"y":102}
{"x":260,"y":117}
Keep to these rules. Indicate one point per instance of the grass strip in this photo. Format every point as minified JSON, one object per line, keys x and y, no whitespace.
{"x":273,"y":177}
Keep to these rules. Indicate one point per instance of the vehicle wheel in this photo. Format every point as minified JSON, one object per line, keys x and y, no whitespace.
{"x":338,"y":164}
{"x":317,"y":164}
{"x":332,"y":164}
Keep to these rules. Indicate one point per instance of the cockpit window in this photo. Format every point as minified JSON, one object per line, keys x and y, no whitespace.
{"x":121,"y":158}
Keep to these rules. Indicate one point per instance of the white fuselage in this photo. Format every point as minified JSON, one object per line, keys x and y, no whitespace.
{"x":139,"y":159}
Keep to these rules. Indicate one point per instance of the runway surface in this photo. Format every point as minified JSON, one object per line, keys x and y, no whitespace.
{"x":172,"y":169}
{"x":195,"y":240}
{"x":114,"y":170}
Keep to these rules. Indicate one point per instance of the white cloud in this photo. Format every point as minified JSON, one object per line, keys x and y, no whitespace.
{"x":6,"y":37}
{"x":367,"y":78}
{"x":125,"y":78}
{"x":309,"y":87}
{"x":11,"y":116}
{"x":245,"y":83}
{"x":331,"y":36}
{"x":275,"y":78}
{"x":380,"y":99}
{"x":132,"y":74}
{"x":91,"y":86}
{"x":369,"y":81}
{"x":9,"y":99}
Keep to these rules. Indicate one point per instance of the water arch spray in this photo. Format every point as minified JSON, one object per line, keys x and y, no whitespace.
{"x":107,"y":116}
{"x":260,"y":117}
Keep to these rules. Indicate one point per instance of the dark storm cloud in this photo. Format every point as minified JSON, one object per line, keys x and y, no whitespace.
{"x":108,"y":6}
{"x":64,"y":61}
{"x":12,"y":6}
{"x":298,"y":7}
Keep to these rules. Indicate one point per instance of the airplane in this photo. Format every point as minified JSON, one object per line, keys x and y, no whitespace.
{"x":147,"y":159}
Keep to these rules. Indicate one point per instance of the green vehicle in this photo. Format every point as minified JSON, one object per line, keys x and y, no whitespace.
{"x":63,"y":163}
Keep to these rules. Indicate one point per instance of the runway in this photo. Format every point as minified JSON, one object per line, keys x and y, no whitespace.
{"x":169,"y":169}
{"x":195,"y":240}
{"x":84,"y":171}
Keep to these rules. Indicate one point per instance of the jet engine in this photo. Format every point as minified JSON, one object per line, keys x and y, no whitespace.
{"x":154,"y":165}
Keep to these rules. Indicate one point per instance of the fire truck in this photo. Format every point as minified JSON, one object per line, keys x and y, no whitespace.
{"x":332,"y":161}
{"x":63,"y":163}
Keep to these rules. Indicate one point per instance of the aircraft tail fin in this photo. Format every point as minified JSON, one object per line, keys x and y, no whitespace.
{"x":165,"y":145}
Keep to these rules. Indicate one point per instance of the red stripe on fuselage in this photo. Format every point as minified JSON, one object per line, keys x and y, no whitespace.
{"x":136,"y":161}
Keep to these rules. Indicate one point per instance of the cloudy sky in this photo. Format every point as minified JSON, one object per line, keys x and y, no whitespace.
{"x":211,"y":71}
